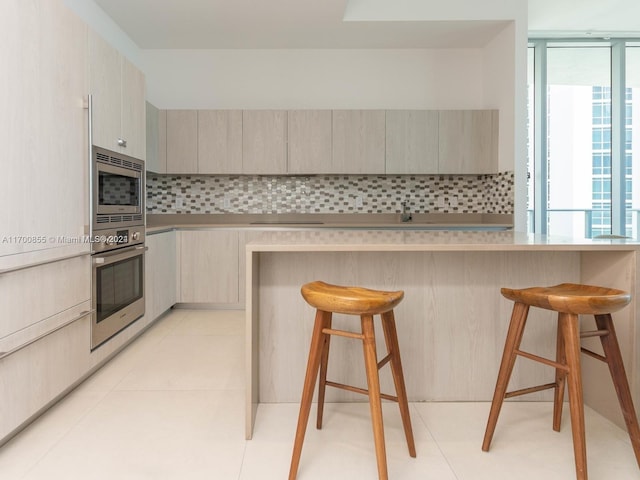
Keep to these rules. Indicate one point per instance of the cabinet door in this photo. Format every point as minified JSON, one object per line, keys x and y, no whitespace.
{"x":160,"y":273}
{"x":182,"y":141}
{"x":208,"y":266}
{"x":309,"y":141}
{"x":411,"y":141}
{"x":162,"y":141}
{"x":264,"y":142}
{"x":133,"y":111}
{"x":44,"y":133}
{"x":358,"y":141}
{"x":219,"y":141}
{"x":468,"y":141}
{"x":152,"y":163}
{"x":105,"y":76}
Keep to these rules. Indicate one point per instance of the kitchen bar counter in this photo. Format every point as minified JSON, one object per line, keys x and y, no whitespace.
{"x":452,"y":322}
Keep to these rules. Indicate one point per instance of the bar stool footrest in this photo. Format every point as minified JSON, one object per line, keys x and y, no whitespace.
{"x":362,"y":391}
{"x":546,"y":361}
{"x":595,"y":355}
{"x":524,"y":391}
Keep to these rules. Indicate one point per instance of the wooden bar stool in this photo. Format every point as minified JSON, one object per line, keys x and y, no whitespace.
{"x":328,"y":299}
{"x":569,"y":300}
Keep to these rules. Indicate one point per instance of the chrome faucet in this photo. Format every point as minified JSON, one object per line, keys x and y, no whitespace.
{"x":405,"y":216}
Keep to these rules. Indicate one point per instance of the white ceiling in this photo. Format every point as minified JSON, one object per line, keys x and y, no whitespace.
{"x":222,"y":24}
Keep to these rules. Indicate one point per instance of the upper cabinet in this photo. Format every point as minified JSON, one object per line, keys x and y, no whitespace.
{"x":358,"y":141}
{"x":264,"y":142}
{"x":220,"y":141}
{"x":133,"y":110}
{"x":153,"y":140}
{"x":411,"y":142}
{"x":182,"y":141}
{"x":468,"y":141}
{"x":118,"y":93}
{"x":44,"y":132}
{"x":278,"y":142}
{"x":309,"y":142}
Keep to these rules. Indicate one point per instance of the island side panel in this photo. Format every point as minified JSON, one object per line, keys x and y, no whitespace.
{"x":614,"y":269}
{"x":451,"y":324}
{"x":252,"y":358}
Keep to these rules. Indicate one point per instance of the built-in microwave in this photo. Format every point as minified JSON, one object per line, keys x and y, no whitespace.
{"x":117,"y":190}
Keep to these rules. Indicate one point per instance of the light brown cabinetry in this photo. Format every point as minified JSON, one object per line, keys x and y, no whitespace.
{"x":44,"y":264}
{"x":160,"y":273}
{"x":358,"y":141}
{"x":133,"y":110}
{"x":44,"y":132}
{"x":264,"y":142}
{"x":309,"y":142}
{"x":45,"y":333}
{"x":162,"y":141}
{"x":207,"y":266}
{"x":154,"y":163}
{"x":276,"y":142}
{"x":182,"y":141}
{"x":468,"y":141}
{"x":118,"y":99}
{"x":411,"y":142}
{"x":220,"y":141}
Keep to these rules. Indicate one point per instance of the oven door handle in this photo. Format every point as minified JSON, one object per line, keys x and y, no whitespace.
{"x":106,"y":259}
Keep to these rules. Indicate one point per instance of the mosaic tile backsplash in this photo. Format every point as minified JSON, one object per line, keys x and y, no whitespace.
{"x":329,"y":193}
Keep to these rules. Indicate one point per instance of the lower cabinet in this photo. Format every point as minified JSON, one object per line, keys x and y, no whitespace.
{"x":160,"y":273}
{"x":44,"y":336}
{"x":207,"y":268}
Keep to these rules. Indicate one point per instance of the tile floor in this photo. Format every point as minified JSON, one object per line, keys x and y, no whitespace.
{"x":171,"y":406}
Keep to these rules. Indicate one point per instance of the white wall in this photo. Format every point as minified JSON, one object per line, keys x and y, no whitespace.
{"x":434,"y":10}
{"x":102,"y":23}
{"x":417,"y":78}
{"x":505,"y":86}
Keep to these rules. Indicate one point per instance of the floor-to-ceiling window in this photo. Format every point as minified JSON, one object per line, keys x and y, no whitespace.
{"x":632,"y":140}
{"x":583,"y":156}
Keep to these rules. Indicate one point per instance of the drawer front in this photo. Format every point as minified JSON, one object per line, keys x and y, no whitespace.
{"x":32,"y":295}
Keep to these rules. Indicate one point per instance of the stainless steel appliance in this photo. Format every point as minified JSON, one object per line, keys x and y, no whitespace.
{"x":117,"y":190}
{"x":117,"y":242}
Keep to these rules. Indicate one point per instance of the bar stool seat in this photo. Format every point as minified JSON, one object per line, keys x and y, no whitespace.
{"x":569,"y":300}
{"x":328,"y":299}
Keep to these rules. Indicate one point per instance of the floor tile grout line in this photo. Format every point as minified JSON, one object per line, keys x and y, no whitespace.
{"x":102,"y":393}
{"x":437,"y":443}
{"x":67,"y":431}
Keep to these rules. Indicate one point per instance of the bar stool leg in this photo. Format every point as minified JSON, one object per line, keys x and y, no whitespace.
{"x":375,"y":403}
{"x":560,"y":380}
{"x":323,"y":320}
{"x":619,"y":376}
{"x":391,"y":339}
{"x":322,"y":382}
{"x":571,"y":333}
{"x":512,"y":343}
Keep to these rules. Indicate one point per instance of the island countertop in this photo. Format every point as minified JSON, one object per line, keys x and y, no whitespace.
{"x":437,"y":240}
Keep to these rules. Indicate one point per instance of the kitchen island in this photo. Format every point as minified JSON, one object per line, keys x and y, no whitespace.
{"x":452,"y":322}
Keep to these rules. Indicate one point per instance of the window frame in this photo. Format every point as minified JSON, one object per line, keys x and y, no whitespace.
{"x":619,"y":126}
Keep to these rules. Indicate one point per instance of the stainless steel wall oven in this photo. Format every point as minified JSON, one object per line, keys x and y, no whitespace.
{"x":117,"y":242}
